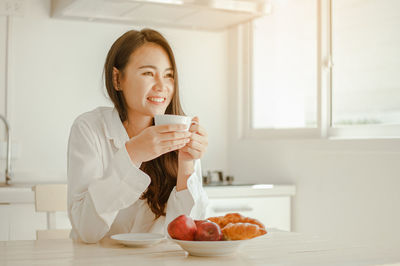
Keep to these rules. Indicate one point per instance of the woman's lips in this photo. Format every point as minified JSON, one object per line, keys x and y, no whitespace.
{"x":156,"y":100}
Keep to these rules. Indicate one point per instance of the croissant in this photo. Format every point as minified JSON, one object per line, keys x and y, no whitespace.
{"x":222,"y":221}
{"x":240,"y":231}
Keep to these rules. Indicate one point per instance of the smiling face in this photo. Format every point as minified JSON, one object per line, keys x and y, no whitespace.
{"x":147,"y":82}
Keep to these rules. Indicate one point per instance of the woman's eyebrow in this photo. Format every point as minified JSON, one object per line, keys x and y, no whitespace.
{"x":153,"y":67}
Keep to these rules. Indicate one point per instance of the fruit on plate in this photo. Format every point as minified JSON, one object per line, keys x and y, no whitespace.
{"x":198,"y":222}
{"x":207,"y":231}
{"x":182,"y":227}
{"x":232,"y":226}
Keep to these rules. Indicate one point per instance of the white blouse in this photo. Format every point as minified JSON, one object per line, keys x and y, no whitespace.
{"x":104,"y":186}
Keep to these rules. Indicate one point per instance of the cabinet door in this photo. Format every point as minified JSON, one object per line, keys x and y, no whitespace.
{"x":24,"y":221}
{"x":4,"y":221}
{"x":273,"y":212}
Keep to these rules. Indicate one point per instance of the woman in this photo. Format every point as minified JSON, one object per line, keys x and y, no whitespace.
{"x":125,"y":174}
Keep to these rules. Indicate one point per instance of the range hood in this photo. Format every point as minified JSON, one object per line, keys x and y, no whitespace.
{"x":193,"y":14}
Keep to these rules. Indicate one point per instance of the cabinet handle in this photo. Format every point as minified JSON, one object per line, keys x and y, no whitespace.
{"x":232,"y":208}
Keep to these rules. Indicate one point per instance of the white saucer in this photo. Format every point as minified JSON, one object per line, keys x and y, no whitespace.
{"x":138,"y":239}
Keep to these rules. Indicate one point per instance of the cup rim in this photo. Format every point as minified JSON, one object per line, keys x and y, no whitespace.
{"x":173,"y":115}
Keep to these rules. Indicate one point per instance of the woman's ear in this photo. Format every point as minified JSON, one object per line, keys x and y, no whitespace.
{"x":116,"y":79}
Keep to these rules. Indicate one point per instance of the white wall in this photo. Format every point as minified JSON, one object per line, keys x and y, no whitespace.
{"x":346,"y":188}
{"x":56,"y":68}
{"x":2,"y":66}
{"x":3,"y":23}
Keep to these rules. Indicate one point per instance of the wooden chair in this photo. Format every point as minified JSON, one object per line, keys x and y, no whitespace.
{"x":51,"y":198}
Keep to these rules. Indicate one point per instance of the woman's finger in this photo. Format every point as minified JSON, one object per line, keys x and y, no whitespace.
{"x":193,"y":153}
{"x":196,"y":145}
{"x":199,"y":129}
{"x":199,"y":138}
{"x":169,"y":128}
{"x":174,"y":135}
{"x":171,"y":143}
{"x":169,"y":148}
{"x":196,"y":120}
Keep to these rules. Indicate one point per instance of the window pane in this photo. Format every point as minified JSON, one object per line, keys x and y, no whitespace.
{"x":366,"y":55}
{"x":284,"y":66}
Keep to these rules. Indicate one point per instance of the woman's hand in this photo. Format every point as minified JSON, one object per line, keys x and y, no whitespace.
{"x":195,"y":149}
{"x":154,"y":141}
{"x":197,"y":146}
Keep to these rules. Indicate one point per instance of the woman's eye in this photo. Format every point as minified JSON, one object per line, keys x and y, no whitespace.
{"x":148,"y":73}
{"x":170,"y":75}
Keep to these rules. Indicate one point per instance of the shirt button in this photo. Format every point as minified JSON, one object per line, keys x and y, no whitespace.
{"x":117,"y":143}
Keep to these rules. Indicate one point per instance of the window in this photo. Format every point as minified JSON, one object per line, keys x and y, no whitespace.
{"x":285,"y":66}
{"x":327,"y":67}
{"x":366,"y":57}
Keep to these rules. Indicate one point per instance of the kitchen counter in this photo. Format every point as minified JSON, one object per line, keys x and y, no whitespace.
{"x":21,"y":192}
{"x":281,"y":248}
{"x":17,"y":193}
{"x":246,"y":190}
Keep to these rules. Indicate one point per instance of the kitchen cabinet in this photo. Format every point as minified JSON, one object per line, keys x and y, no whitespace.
{"x":271,"y":204}
{"x":18,"y":217}
{"x":4,"y":222}
{"x":19,"y":221}
{"x":24,"y":221}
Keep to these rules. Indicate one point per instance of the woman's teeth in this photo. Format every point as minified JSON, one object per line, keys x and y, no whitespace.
{"x":159,"y":100}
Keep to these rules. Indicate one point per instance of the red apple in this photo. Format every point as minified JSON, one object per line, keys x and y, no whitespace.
{"x":197,"y":222}
{"x":208,"y":231}
{"x":182,"y":228}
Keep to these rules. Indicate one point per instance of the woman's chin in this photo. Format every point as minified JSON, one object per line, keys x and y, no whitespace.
{"x":153,"y":113}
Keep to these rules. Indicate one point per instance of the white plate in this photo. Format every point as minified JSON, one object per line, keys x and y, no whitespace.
{"x":211,"y":248}
{"x":138,"y":239}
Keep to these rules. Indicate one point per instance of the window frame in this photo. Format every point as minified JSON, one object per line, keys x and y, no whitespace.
{"x":324,"y":129}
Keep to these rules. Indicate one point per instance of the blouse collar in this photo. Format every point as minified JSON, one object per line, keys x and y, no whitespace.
{"x":115,"y":130}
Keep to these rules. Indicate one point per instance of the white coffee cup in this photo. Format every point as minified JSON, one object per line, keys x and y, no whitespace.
{"x":173,"y":119}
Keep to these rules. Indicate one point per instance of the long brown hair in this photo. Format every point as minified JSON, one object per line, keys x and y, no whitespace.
{"x":164,"y":169}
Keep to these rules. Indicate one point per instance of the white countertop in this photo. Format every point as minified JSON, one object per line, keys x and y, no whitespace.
{"x":17,"y":193}
{"x":257,"y":190}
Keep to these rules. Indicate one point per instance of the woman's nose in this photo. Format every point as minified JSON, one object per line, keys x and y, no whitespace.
{"x":160,"y":84}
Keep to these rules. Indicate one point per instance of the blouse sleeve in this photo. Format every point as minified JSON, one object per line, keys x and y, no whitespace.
{"x":95,"y":196}
{"x":192,"y":201}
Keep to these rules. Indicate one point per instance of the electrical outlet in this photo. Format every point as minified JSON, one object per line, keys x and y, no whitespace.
{"x":15,"y":151}
{"x":12,"y":7}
